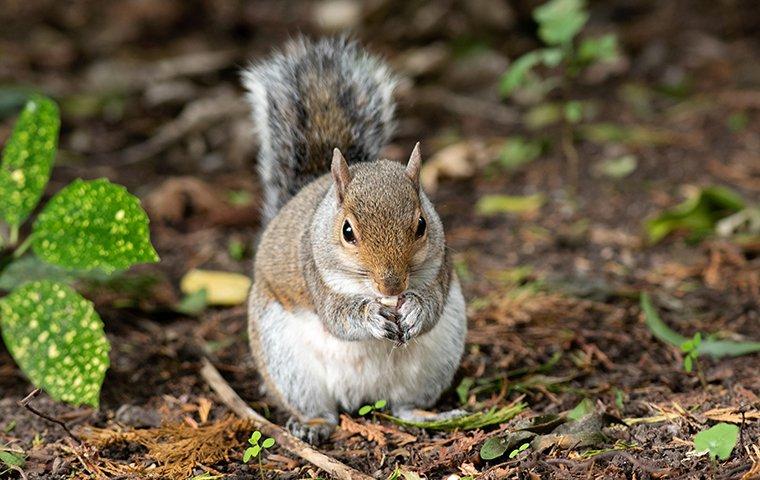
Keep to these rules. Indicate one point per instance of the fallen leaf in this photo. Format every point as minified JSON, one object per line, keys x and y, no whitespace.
{"x":222,"y":288}
{"x":454,"y":161}
{"x":494,"y":204}
{"x":584,"y":432}
{"x":719,"y":441}
{"x":382,"y":434}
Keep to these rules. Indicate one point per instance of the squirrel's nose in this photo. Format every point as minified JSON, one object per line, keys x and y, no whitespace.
{"x":391,"y":285}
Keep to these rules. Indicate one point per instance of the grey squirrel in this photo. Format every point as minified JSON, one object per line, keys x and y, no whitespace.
{"x":354,"y":298}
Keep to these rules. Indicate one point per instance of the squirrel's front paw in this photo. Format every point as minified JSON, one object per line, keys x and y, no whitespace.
{"x":383,"y":322}
{"x":411,"y":313}
{"x":314,"y":432}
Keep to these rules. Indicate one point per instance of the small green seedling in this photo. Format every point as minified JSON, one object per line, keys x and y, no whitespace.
{"x":519,"y":450}
{"x":254,"y":451}
{"x":378,"y":405}
{"x":690,"y":349}
{"x":718,"y":441}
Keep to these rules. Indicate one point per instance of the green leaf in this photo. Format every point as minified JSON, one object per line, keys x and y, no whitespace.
{"x":617,"y":168}
{"x":193,"y":303}
{"x":463,"y":389}
{"x":519,"y":72}
{"x":57,"y":339}
{"x":11,"y":459}
{"x":573,"y":111}
{"x":493,"y":448}
{"x":248,"y":454}
{"x":719,"y":440}
{"x":633,"y":135}
{"x":585,"y":407}
{"x":518,"y":151}
{"x":714,"y":348}
{"x":495,"y":204}
{"x":380,"y":404}
{"x":688,"y":363}
{"x":496,"y":446}
{"x":29,"y":268}
{"x":93,"y":224}
{"x":28,"y":158}
{"x":543,"y":115}
{"x":517,"y":451}
{"x":697,"y":215}
{"x":599,"y":49}
{"x":465,"y":422}
{"x":255,"y":436}
{"x":365,"y":410}
{"x":559,"y":21}
{"x":268,"y":443}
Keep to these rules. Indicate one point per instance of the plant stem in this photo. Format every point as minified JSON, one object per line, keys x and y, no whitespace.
{"x":571,"y":154}
{"x":13,"y":240}
{"x":21,"y":249}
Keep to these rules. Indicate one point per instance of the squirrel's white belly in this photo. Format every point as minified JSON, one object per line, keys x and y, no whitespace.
{"x":350,"y":374}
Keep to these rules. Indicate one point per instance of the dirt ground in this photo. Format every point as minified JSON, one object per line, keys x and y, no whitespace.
{"x":150,"y":98}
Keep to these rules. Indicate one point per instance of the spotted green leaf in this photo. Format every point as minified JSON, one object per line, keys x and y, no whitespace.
{"x":57,"y":339}
{"x":28,"y":158}
{"x":93,"y":224}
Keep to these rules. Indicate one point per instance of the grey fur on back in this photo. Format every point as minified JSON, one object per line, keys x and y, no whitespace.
{"x":309,"y":98}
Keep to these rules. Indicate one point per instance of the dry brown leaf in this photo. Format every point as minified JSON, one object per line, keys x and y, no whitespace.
{"x":366,"y":430}
{"x":732,"y":415}
{"x":376,"y":432}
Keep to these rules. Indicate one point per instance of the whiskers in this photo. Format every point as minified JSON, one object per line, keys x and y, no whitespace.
{"x":356,"y":273}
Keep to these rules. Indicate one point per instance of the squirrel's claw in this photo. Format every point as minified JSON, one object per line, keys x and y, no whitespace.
{"x":383,"y":322}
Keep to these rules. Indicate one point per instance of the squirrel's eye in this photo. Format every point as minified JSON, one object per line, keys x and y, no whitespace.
{"x":421,"y":225}
{"x":348,"y":232}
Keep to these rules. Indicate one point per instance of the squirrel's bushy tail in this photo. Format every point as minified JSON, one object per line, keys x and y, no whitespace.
{"x":310,"y":98}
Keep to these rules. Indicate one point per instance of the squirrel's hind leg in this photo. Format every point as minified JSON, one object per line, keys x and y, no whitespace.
{"x":281,"y":345}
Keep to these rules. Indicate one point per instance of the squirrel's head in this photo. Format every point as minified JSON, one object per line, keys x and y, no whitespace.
{"x":384,"y":229}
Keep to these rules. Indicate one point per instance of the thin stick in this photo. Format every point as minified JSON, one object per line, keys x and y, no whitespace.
{"x":230,"y":398}
{"x":25,"y":403}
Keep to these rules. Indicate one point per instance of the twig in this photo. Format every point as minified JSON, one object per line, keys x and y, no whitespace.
{"x":196,"y":116}
{"x":571,"y":153}
{"x":463,"y":105}
{"x":230,"y":398}
{"x":26,"y":404}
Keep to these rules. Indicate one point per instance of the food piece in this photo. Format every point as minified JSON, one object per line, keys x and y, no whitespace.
{"x":389,"y":301}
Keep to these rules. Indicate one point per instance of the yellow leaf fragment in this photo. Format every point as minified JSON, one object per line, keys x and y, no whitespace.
{"x":222,"y":288}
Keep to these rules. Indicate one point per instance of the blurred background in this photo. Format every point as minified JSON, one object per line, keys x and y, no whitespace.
{"x":558,"y":145}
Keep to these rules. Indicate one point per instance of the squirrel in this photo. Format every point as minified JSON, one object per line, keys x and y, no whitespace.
{"x":354,"y":298}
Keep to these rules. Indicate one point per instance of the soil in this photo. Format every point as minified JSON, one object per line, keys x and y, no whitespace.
{"x":559,"y":285}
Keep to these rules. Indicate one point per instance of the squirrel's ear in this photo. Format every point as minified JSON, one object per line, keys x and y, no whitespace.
{"x":340,"y":173}
{"x":414,"y":165}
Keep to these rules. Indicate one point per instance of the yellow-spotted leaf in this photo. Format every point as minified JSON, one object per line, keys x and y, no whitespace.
{"x":27,"y":159}
{"x":57,"y":339}
{"x":93,"y":224}
{"x":222,"y":288}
